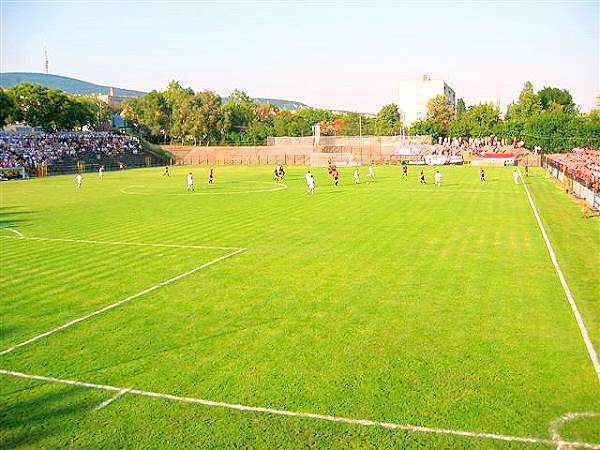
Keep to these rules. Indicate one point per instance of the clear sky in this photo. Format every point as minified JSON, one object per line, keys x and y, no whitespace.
{"x":345,"y":55}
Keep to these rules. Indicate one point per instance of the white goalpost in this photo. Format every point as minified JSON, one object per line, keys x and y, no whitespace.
{"x":12,"y":172}
{"x":323,"y":159}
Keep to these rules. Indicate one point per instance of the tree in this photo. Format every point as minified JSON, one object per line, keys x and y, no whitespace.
{"x":50,"y":109}
{"x":460,"y":108}
{"x":478,"y":120}
{"x":151,"y":112}
{"x":425,"y":128}
{"x":527,"y":106}
{"x":299,"y":123}
{"x":7,"y":108}
{"x":242,"y":110}
{"x":207,"y":121}
{"x":356,"y":124}
{"x":556,"y":98}
{"x":388,"y":121}
{"x":441,"y":110}
{"x":81,"y":112}
{"x":29,"y":100}
{"x":179,"y":101}
{"x":257,"y":132}
{"x":333,"y":127}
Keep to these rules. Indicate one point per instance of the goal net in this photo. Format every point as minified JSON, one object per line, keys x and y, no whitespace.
{"x":11,"y":173}
{"x":323,"y":159}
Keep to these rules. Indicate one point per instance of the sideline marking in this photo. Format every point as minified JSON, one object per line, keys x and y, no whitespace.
{"x":305,"y":415}
{"x":105,"y":403}
{"x":278,"y":187}
{"x":567,"y":417}
{"x":120,"y":302}
{"x":139,"y":244}
{"x":584,"y":333}
{"x":18,"y":233}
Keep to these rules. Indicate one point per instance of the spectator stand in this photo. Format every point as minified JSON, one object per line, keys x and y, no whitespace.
{"x":579,"y":173}
{"x":43,"y":154}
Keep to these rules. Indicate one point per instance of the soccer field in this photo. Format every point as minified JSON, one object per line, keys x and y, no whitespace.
{"x":250,"y":314}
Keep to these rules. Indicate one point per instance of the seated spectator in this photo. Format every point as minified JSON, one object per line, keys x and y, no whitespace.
{"x":30,"y":150}
{"x":582,"y":164}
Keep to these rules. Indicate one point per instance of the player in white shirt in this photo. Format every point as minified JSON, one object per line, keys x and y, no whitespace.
{"x":78,"y":180}
{"x":516,"y":176}
{"x":438,"y":178}
{"x":371,"y":173}
{"x":101,"y":172}
{"x":310,"y":181}
{"x":356,"y":176}
{"x":190,"y":182}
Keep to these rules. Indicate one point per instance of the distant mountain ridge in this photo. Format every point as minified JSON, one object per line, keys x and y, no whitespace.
{"x":79,"y":87}
{"x":66,"y":84}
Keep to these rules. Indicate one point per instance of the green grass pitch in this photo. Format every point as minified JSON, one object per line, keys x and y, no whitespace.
{"x":388,"y":301}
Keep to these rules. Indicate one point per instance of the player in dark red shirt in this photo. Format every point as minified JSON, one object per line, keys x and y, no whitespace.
{"x":404,"y":170}
{"x":211,"y":177}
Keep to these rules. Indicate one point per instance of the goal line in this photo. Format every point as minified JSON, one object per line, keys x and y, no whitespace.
{"x":122,"y":391}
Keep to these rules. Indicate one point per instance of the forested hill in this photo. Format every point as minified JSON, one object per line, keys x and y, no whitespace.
{"x":65,"y":84}
{"x":80,"y":87}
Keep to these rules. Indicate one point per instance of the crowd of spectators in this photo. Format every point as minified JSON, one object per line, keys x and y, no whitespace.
{"x":476,"y":145}
{"x":30,"y":150}
{"x":582,"y":163}
{"x":409,"y":150}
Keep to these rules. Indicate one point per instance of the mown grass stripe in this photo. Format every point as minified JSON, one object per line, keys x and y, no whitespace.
{"x":305,"y":415}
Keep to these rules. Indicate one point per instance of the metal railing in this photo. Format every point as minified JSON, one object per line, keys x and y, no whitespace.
{"x":573,"y":184}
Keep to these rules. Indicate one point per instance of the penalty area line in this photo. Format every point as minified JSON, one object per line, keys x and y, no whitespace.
{"x":563,"y":281}
{"x":565,"y":418}
{"x":105,"y":403}
{"x":18,"y":233}
{"x":305,"y":415}
{"x":120,"y":302}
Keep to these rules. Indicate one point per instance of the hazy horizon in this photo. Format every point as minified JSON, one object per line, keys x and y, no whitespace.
{"x":347,"y":56}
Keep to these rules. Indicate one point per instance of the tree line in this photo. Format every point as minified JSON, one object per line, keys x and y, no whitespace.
{"x":183,"y":116}
{"x":50,"y":109}
{"x":548,"y":118}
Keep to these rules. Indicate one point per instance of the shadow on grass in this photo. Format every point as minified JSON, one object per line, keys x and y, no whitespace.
{"x":232,"y":326}
{"x":39,"y":415}
{"x":13,"y":217}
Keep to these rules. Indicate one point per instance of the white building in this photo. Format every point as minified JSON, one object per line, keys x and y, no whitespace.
{"x":414,"y":94}
{"x":596,"y":105}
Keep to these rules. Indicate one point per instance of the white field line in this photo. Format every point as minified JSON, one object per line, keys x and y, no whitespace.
{"x":18,"y":233}
{"x":568,"y":417}
{"x":105,"y":403}
{"x":120,"y":302}
{"x":584,"y":332}
{"x":313,"y":416}
{"x":138,"y":244}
